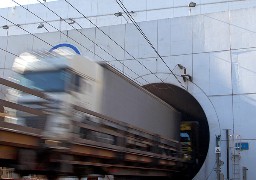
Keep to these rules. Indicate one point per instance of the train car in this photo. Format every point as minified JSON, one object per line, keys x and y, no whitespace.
{"x":73,"y":79}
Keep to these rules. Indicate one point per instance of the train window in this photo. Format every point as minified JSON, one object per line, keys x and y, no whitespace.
{"x":184,"y":137}
{"x":49,"y":81}
{"x":76,"y":82}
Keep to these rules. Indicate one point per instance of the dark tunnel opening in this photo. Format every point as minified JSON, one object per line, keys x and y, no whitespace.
{"x":194,"y":123}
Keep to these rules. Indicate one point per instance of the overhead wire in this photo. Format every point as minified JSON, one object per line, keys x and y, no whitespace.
{"x":17,"y":25}
{"x":155,"y":50}
{"x":122,"y":6}
{"x":5,"y":50}
{"x":64,"y":33}
{"x":52,"y":26}
{"x":102,"y":31}
{"x":89,"y":40}
{"x":113,"y":41}
{"x":228,"y":23}
{"x":152,"y":46}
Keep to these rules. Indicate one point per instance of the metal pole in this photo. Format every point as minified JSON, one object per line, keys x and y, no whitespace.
{"x":218,"y":158}
{"x":245,"y":173}
{"x":227,"y":144}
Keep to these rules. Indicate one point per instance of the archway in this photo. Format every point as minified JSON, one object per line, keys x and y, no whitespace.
{"x":191,"y":112}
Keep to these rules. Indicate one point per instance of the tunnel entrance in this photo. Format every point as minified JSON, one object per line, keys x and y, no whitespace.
{"x":193,"y":116}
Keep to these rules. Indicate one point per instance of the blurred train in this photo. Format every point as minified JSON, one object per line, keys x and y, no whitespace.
{"x":71,"y":79}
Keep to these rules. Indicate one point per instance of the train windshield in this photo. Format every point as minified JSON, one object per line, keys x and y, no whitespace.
{"x":49,"y":81}
{"x":184,"y":137}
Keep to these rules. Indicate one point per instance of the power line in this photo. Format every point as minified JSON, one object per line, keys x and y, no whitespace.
{"x":146,"y":38}
{"x":75,"y":40}
{"x":88,"y":39}
{"x":60,"y":30}
{"x":228,"y":23}
{"x":9,"y":52}
{"x":112,"y":40}
{"x":17,"y":25}
{"x":52,"y":25}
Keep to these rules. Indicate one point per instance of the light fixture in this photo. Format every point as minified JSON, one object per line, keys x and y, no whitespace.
{"x":41,"y":25}
{"x":186,"y":77}
{"x":118,"y":14}
{"x":192,"y":4}
{"x":182,"y":67}
{"x":71,"y":21}
{"x":5,"y":27}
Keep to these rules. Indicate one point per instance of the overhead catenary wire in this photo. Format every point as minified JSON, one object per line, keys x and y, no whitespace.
{"x":113,"y":41}
{"x":89,"y":40}
{"x":17,"y":25}
{"x":148,"y":41}
{"x":75,"y":40}
{"x":105,"y":51}
{"x":49,"y":25}
{"x":80,"y":27}
{"x":144,"y":35}
{"x":69,"y":37}
{"x":79,"y":43}
{"x":146,"y":38}
{"x":9,"y":52}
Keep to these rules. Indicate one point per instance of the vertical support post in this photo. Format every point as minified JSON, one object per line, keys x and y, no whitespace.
{"x":245,"y":173}
{"x":227,"y":144}
{"x":218,"y":158}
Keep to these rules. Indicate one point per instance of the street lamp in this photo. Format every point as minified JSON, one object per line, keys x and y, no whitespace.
{"x":192,"y":4}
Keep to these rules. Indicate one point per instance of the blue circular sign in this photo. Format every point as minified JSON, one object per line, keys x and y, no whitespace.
{"x":66,"y":45}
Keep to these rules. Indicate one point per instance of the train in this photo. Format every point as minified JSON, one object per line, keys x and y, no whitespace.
{"x":73,"y":79}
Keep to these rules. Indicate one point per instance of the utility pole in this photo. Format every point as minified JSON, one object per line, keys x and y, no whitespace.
{"x":227,"y":144}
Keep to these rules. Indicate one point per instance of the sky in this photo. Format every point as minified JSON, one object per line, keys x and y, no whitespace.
{"x":10,"y":3}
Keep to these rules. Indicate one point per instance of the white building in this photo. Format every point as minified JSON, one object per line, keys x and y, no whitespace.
{"x":215,"y":41}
